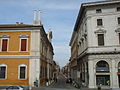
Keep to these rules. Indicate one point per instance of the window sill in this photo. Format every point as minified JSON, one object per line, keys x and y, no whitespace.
{"x":23,"y":51}
{"x":22,"y":79}
{"x":3,"y":51}
{"x":2,"y":79}
{"x":12,"y":51}
{"x":100,"y":26}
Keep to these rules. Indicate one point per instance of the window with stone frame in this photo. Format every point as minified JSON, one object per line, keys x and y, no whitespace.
{"x":100,"y":39}
{"x":22,"y":72}
{"x":118,"y":8}
{"x":118,"y":20}
{"x":4,"y":44}
{"x":119,"y":38}
{"x":99,"y":22}
{"x":23,"y":44}
{"x":2,"y":72}
{"x":98,"y":11}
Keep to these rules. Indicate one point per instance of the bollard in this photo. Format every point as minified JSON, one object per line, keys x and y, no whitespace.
{"x":99,"y":88}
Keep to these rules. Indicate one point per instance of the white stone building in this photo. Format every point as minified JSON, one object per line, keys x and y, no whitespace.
{"x":98,"y":31}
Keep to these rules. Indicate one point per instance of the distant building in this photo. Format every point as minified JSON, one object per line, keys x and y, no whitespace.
{"x":98,"y":41}
{"x":55,"y":69}
{"x":74,"y":55}
{"x":25,"y":54}
{"x":66,"y":70}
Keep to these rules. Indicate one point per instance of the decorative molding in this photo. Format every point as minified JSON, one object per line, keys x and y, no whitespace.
{"x":117,"y":30}
{"x":4,"y":36}
{"x":100,"y":31}
{"x":84,"y":35}
{"x":20,"y":56}
{"x":82,"y":38}
{"x":24,"y":36}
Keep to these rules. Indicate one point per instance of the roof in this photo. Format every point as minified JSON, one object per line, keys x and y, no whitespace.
{"x":89,"y":4}
{"x":17,"y":25}
{"x":105,"y":2}
{"x":84,"y":5}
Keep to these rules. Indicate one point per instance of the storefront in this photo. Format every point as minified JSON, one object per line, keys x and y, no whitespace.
{"x":102,"y":74}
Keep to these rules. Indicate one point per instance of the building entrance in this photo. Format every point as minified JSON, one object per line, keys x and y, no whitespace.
{"x":103,"y":80}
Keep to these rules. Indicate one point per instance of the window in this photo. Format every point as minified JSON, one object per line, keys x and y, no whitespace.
{"x":103,"y":80}
{"x":22,"y":72}
{"x":4,"y":44}
{"x":2,"y":71}
{"x":119,"y":20}
{"x":99,"y":22}
{"x":98,"y":11}
{"x":118,"y":8}
{"x":23,"y":44}
{"x":119,"y":38}
{"x":102,"y":66}
{"x":119,"y":67}
{"x":100,"y":39}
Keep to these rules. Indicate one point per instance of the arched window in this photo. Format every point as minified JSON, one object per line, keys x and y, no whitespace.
{"x":3,"y":68}
{"x":102,"y":66}
{"x":22,"y":71}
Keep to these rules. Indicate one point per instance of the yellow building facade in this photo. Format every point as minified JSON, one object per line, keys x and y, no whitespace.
{"x":26,"y":54}
{"x":20,"y":54}
{"x":8,"y":57}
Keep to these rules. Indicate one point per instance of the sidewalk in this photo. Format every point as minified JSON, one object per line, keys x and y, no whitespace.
{"x":92,"y":89}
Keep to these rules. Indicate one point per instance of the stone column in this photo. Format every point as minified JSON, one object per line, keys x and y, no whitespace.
{"x":85,"y":74}
{"x":48,"y":72}
{"x":114,"y":76}
{"x":91,"y":74}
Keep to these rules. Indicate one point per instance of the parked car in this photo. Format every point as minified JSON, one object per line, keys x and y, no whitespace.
{"x":69,"y":80}
{"x":15,"y":88}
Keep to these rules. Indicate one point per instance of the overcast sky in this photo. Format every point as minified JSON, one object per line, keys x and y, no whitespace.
{"x":58,"y":15}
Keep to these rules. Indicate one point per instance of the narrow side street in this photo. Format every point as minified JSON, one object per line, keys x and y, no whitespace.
{"x":61,"y":83}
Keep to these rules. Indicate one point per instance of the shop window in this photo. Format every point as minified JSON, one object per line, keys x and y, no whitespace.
{"x":103,"y":80}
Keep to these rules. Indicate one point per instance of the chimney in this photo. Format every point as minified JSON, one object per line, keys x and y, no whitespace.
{"x":17,"y":23}
{"x":38,"y":21}
{"x":34,"y":22}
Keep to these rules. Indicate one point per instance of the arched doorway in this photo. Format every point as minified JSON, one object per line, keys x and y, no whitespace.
{"x":102,"y":73}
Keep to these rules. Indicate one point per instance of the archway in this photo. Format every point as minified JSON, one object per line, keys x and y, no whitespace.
{"x":102,"y":73}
